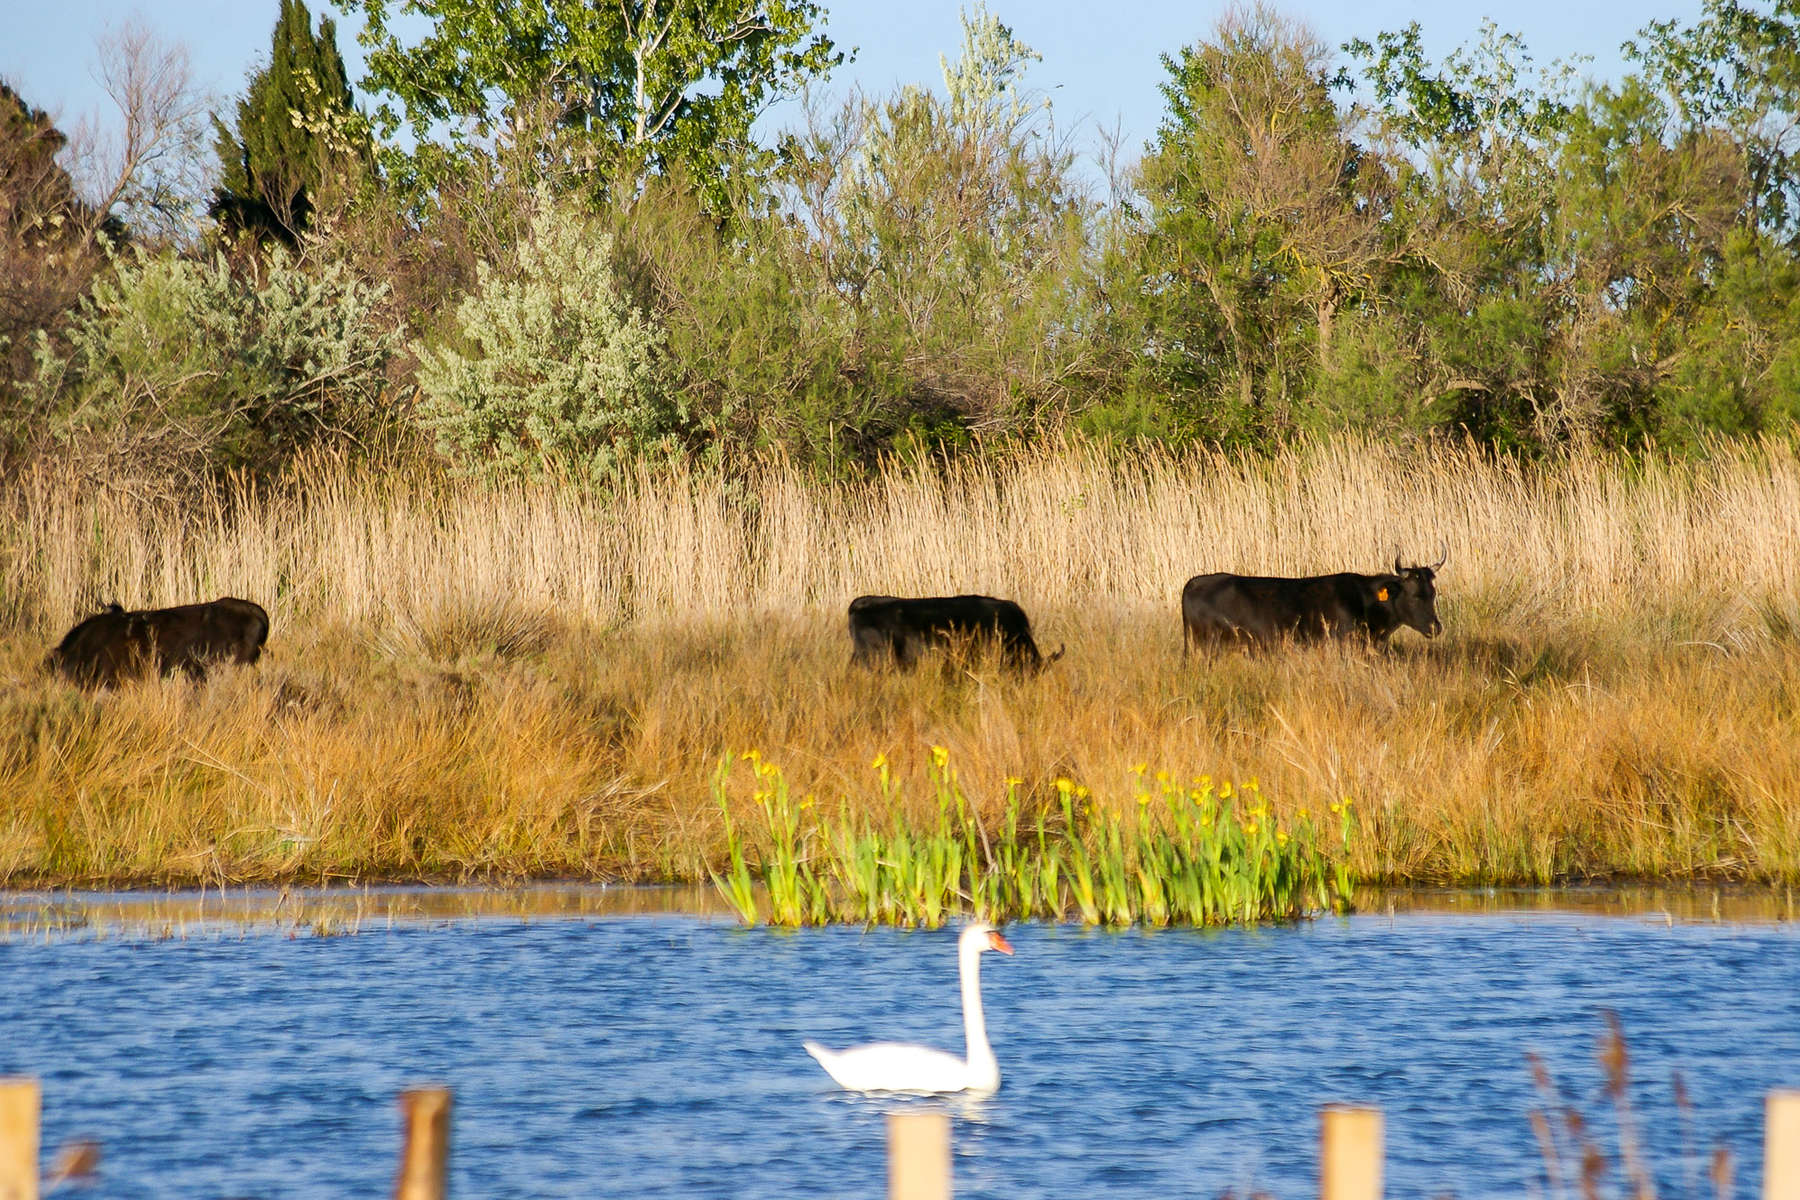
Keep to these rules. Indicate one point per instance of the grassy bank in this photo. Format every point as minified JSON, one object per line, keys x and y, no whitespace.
{"x":530,"y":681}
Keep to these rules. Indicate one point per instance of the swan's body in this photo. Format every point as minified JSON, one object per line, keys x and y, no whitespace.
{"x":899,"y":1067}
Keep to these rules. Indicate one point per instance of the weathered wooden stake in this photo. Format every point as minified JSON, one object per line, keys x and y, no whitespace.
{"x":425,"y":1158}
{"x":1781,"y":1146}
{"x":20,"y":1105}
{"x":1350,"y":1153}
{"x":918,"y":1156}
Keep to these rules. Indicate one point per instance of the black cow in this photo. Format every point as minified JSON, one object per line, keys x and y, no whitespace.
{"x":1261,"y":609}
{"x":114,"y":645}
{"x":898,"y":628}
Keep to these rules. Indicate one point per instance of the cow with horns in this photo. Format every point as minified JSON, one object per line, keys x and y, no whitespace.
{"x":1260,"y":610}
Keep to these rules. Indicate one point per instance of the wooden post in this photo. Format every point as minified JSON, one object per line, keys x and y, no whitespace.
{"x":20,"y":1106}
{"x":1781,"y":1145}
{"x":918,"y":1156}
{"x":1350,"y":1153}
{"x":425,"y":1157}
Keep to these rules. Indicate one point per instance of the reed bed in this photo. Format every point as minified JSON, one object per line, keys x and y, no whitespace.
{"x":533,"y":680}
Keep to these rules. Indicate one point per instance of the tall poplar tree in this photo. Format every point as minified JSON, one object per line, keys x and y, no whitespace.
{"x":604,"y":93}
{"x":298,"y":139}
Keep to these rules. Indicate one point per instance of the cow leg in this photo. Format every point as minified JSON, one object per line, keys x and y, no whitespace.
{"x":1210,"y":639}
{"x":863,"y":649}
{"x":906,"y":651}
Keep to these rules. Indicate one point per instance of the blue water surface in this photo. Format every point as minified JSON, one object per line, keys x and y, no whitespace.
{"x":660,"y":1056}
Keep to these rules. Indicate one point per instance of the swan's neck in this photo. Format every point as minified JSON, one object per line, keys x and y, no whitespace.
{"x":981,"y":1055}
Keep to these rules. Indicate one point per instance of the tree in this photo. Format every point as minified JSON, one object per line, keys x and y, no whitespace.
{"x":1480,"y":291}
{"x":64,"y":196}
{"x":36,"y":194}
{"x":46,"y":258}
{"x":298,"y":140}
{"x":1643,"y":225}
{"x":950,"y":229}
{"x":177,"y":366}
{"x":1738,"y":69}
{"x":150,"y":172}
{"x":621,"y":88}
{"x":1475,"y":139}
{"x":1254,"y":232}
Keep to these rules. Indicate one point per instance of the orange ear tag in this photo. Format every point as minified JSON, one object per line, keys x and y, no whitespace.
{"x":1382,"y":594}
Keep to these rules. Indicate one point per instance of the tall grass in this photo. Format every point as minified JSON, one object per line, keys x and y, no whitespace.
{"x":469,"y":680}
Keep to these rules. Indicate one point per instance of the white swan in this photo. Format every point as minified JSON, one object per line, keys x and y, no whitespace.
{"x":898,"y":1067}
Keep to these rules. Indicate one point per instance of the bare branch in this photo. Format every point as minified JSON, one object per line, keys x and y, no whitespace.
{"x":152,"y":169}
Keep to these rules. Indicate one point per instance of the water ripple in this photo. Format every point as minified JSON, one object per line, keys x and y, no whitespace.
{"x":660,"y":1055}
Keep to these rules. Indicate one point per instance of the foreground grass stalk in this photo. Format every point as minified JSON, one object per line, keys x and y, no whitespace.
{"x":1184,"y":856}
{"x":737,"y":884}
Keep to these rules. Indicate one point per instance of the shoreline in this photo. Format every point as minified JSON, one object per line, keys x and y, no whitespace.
{"x":349,"y":908}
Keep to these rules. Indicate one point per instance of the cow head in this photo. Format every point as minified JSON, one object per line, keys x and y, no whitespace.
{"x":1415,"y":595}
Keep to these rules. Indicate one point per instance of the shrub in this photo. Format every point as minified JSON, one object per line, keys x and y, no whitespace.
{"x":754,"y":354}
{"x":1373,"y":380}
{"x":188,"y":365}
{"x":559,"y":368}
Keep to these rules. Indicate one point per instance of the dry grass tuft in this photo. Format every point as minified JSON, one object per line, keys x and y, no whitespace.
{"x":467,"y":680}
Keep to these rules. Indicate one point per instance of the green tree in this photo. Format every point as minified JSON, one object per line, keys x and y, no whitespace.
{"x":1643,"y":219}
{"x":616,"y":90}
{"x":1709,"y":309}
{"x":46,"y":253}
{"x":1255,"y":233}
{"x":298,"y":142}
{"x":946,"y":233}
{"x":1479,"y":293}
{"x":1738,"y":69}
{"x":180,"y":366}
{"x":36,"y":194}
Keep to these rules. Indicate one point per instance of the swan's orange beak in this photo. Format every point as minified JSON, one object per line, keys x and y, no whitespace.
{"x":996,"y":942}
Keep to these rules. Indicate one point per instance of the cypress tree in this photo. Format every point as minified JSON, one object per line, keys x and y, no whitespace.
{"x":298,"y":139}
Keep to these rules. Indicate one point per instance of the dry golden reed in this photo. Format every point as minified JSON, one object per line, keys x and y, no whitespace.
{"x":469,"y":680}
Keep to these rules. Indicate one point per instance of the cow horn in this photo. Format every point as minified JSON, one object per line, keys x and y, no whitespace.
{"x":1443,"y":556}
{"x":1398,"y":569}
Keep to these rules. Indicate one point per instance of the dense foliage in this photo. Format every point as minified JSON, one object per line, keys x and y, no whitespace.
{"x":1193,"y":855}
{"x":46,"y":254}
{"x":588,"y":255}
{"x":176,"y":365}
{"x":613,"y":90}
{"x":559,"y":367}
{"x":298,"y":142}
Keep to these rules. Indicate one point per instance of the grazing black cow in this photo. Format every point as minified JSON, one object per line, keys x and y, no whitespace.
{"x":114,"y":644}
{"x":1261,"y":609}
{"x":897,"y":627}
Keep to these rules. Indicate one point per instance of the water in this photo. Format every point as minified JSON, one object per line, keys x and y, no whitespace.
{"x":659,"y":1055}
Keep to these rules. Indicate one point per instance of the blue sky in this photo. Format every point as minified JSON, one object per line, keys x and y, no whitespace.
{"x":1100,"y":63}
